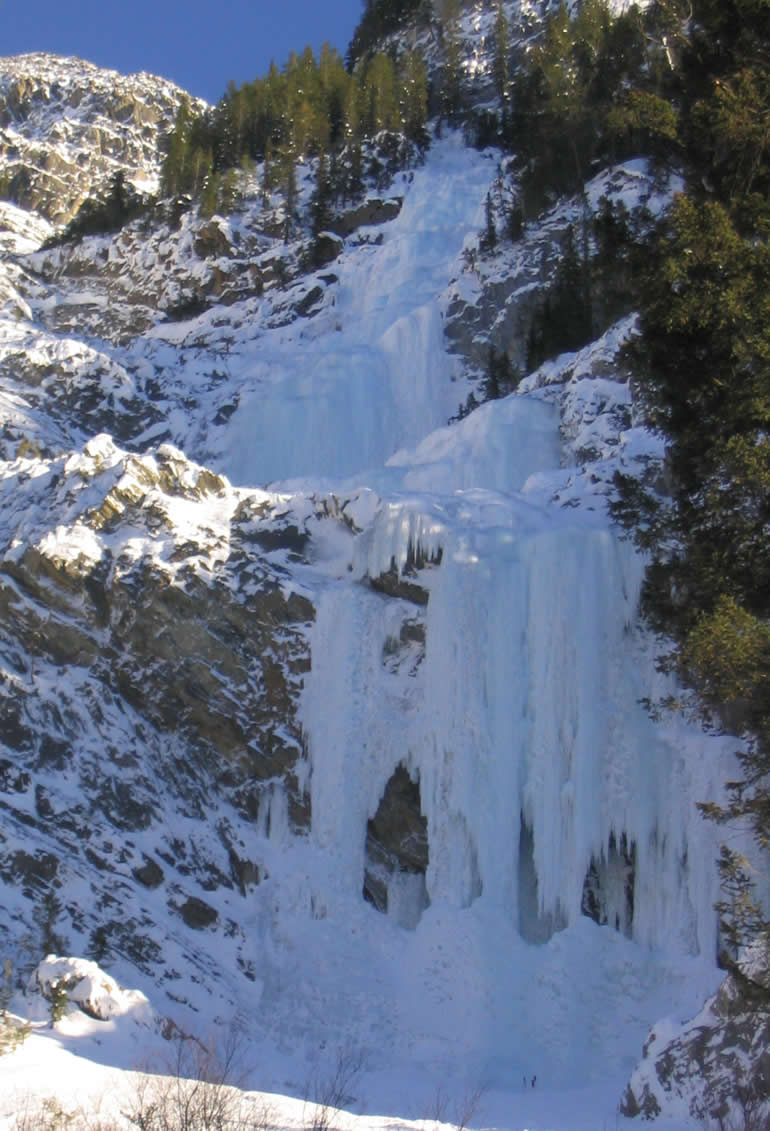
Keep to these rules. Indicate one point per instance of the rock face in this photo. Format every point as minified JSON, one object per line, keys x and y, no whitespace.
{"x":66,"y":126}
{"x":495,"y":300}
{"x":716,"y":1066}
{"x":188,"y":633}
{"x":182,"y":635}
{"x":370,"y":212}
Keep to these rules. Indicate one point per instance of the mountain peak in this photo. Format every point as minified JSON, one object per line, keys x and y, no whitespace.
{"x":67,"y":125}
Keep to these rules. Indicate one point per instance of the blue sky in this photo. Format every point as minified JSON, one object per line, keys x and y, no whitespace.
{"x":199,"y":45}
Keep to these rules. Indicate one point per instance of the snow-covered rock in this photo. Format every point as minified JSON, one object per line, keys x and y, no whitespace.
{"x":715,"y":1066}
{"x":89,"y":988}
{"x":66,"y":126}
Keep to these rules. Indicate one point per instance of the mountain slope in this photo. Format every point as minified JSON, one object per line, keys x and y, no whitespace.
{"x":320,"y":712}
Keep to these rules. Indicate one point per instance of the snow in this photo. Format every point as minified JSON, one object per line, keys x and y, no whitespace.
{"x":522,"y":718}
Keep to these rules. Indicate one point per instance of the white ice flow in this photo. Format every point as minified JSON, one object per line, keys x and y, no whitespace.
{"x":378,"y":379}
{"x":544,"y":782}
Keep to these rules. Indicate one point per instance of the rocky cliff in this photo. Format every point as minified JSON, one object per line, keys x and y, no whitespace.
{"x":67,"y":126}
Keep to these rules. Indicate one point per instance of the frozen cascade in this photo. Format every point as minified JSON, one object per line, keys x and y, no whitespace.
{"x":526,"y":710}
{"x":501,"y":872}
{"x":336,"y":403}
{"x":537,"y":714}
{"x":548,"y":793}
{"x":511,"y":698}
{"x":524,"y":727}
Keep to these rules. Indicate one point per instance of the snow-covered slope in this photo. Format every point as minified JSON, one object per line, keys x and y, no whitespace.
{"x":319,"y":713}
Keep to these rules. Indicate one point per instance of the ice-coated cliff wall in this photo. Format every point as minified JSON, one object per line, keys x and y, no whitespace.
{"x":481,"y":630}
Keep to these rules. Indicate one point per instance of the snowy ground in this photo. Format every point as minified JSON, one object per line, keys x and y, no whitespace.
{"x":78,"y":1069}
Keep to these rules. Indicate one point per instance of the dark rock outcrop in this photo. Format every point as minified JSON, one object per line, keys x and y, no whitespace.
{"x":158,"y":668}
{"x":371,"y":212}
{"x":397,"y":846}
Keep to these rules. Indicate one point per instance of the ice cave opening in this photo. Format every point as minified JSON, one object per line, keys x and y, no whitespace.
{"x":396,"y":853}
{"x":608,"y":889}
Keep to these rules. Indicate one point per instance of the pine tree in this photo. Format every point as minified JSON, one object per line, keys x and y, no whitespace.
{"x":413,"y":98}
{"x":175,"y":161}
{"x":380,"y":96}
{"x":267,"y":183}
{"x":489,"y":237}
{"x":321,"y":199}
{"x":51,"y":941}
{"x":515,"y":221}
{"x":501,"y":63}
{"x":58,"y":999}
{"x":289,"y":192}
{"x":502,"y":376}
{"x":702,"y":367}
{"x":209,"y":197}
{"x":451,"y":75}
{"x":355,"y":177}
{"x":12,"y":1032}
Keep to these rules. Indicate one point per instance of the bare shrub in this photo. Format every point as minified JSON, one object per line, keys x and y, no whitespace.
{"x":458,"y":1109}
{"x":48,"y":1114}
{"x":176,"y":1104}
{"x":12,"y":1030}
{"x":749,"y":1112}
{"x":329,"y":1093}
{"x":198,"y":1092}
{"x":45,"y":1115}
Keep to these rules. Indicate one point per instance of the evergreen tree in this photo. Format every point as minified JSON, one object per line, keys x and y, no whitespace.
{"x":51,"y":942}
{"x":268,"y":181}
{"x":58,"y":1000}
{"x":564,"y":321}
{"x":289,"y":192}
{"x":413,"y":98}
{"x":308,"y":107}
{"x":489,"y":237}
{"x":381,"y":17}
{"x":380,"y":98}
{"x":502,"y":376}
{"x":450,"y":95}
{"x":354,"y":184}
{"x":321,"y":199}
{"x":515,"y":218}
{"x":501,"y":63}
{"x":98,"y":945}
{"x":209,"y":197}
{"x":175,"y":161}
{"x":702,"y":366}
{"x":564,"y":91}
{"x":12,"y":1032}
